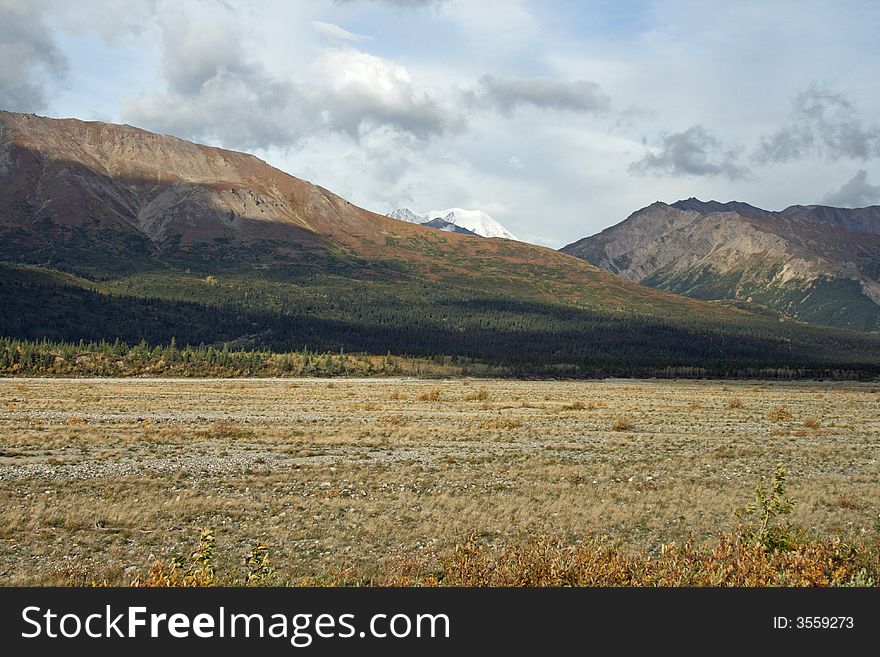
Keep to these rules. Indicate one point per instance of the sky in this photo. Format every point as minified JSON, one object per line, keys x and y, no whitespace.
{"x":559,"y":118}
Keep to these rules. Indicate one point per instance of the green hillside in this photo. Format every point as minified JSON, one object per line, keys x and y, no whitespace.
{"x":420,"y":318}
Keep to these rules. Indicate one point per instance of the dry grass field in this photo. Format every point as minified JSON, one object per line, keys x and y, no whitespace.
{"x":101,"y":477}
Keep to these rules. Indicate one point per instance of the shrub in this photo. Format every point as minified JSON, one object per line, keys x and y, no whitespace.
{"x":551,"y":560}
{"x":779,"y":414}
{"x":621,"y":423}
{"x":431,"y":395}
{"x":846,"y":502}
{"x":224,"y":429}
{"x":735,"y":402}
{"x":197,"y":571}
{"x":478,"y":395}
{"x":258,"y":568}
{"x":762,"y":520}
{"x":548,"y":561}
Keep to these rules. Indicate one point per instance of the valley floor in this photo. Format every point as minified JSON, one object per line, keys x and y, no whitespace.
{"x":101,"y":477}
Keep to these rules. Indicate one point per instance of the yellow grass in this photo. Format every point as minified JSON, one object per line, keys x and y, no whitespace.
{"x":100,"y":478}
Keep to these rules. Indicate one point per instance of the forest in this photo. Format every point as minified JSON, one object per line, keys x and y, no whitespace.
{"x":496,"y":334}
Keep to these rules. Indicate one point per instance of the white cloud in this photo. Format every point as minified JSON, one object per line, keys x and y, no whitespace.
{"x":215,"y":90}
{"x":336,"y":33}
{"x":218,"y":88}
{"x":855,"y":193}
{"x":229,"y":109}
{"x":364,"y":91}
{"x":29,"y":56}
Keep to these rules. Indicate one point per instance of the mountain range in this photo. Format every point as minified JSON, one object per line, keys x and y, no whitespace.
{"x":112,"y":232}
{"x":475,"y":222}
{"x":811,"y":262}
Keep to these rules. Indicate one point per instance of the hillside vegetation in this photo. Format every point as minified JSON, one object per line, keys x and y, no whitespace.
{"x":254,"y":322}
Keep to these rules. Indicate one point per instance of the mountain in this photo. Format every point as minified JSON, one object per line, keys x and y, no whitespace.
{"x":474,"y":221}
{"x":442,"y":224}
{"x":112,"y":232}
{"x":405,"y":214}
{"x":814,"y":263}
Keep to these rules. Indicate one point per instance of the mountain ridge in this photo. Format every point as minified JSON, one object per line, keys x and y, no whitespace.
{"x":795,"y":260}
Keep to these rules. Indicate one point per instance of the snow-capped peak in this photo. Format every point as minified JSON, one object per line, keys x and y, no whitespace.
{"x":405,"y":214}
{"x":476,"y":221}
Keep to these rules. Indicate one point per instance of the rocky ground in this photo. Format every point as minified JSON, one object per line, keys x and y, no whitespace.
{"x":100,"y":477}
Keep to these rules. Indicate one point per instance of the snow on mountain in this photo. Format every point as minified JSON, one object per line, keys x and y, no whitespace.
{"x":405,"y":214}
{"x":475,"y":221}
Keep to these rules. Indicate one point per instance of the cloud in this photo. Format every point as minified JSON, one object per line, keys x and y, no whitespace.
{"x":336,"y":33}
{"x":694,"y":152}
{"x":236,"y":111}
{"x":31,"y":62}
{"x":855,"y":193}
{"x":28,"y":56}
{"x":508,"y":94}
{"x":112,"y":20}
{"x":228,"y":96}
{"x":632,"y":118}
{"x":405,"y":4}
{"x":499,"y":29}
{"x":193,"y":55}
{"x":825,"y":124}
{"x":364,"y":91}
{"x":216,"y":94}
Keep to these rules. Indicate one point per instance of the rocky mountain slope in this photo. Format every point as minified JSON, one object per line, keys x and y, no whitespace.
{"x":813,"y":263}
{"x":98,"y":199}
